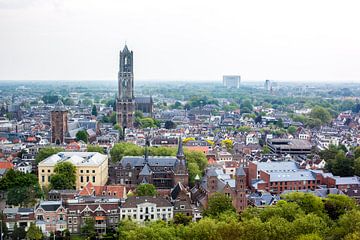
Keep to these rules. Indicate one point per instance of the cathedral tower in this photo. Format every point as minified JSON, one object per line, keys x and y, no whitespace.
{"x":125,"y":103}
{"x":59,"y":123}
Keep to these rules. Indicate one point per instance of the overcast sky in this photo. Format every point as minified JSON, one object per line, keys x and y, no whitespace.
{"x":181,"y":40}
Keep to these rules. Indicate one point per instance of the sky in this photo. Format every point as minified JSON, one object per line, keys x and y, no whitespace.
{"x":182,"y":40}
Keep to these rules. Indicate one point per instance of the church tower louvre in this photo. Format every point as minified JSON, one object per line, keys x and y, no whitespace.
{"x":125,"y":103}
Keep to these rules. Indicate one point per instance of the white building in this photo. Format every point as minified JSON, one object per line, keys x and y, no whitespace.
{"x":147,"y":208}
{"x":231,"y":81}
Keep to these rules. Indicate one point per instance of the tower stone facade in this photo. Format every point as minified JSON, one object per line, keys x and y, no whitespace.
{"x":125,"y":103}
{"x":59,"y":123}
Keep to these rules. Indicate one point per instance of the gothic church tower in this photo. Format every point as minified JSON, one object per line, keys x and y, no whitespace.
{"x":125,"y":103}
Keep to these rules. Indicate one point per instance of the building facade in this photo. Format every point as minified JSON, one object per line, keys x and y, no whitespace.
{"x":90,"y":167}
{"x":231,"y":81}
{"x":162,"y":172}
{"x":143,"y":209}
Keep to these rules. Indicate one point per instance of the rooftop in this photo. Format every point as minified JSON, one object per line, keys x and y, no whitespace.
{"x":76,"y":158}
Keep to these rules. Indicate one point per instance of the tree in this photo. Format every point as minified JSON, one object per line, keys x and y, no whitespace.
{"x":22,"y":188}
{"x":46,"y":152}
{"x":265,"y":150}
{"x":82,"y":136}
{"x":218,"y":203}
{"x":357,"y":166}
{"x":64,"y":177}
{"x":337,"y":205}
{"x":228,"y":143}
{"x":87,"y":102}
{"x":34,"y":233}
{"x":321,"y":113}
{"x":181,"y":218}
{"x":292,"y":130}
{"x":88,"y":229}
{"x":146,"y":189}
{"x":4,"y":228}
{"x":94,"y":111}
{"x":357,"y":152}
{"x":125,"y":149}
{"x":95,"y":148}
{"x":170,"y":124}
{"x":341,"y":165}
{"x":18,"y":233}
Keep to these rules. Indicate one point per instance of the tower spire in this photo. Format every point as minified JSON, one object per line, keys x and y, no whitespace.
{"x":180,"y":152}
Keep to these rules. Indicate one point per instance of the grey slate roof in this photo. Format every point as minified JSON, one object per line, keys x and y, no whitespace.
{"x":145,"y":171}
{"x":137,"y":161}
{"x":240,"y":172}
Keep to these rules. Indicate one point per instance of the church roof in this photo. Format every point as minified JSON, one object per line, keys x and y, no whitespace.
{"x":147,"y":100}
{"x":180,"y":152}
{"x":125,"y":50}
{"x":240,"y":172}
{"x":59,"y":106}
{"x":145,"y":171}
{"x":153,"y":161}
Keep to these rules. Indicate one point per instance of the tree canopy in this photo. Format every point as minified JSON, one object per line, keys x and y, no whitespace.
{"x":64,"y":176}
{"x":146,"y":189}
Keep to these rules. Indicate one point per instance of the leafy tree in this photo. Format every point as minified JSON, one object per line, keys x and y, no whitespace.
{"x":218,"y":203}
{"x":265,"y":150}
{"x":95,"y":148}
{"x":125,"y":149}
{"x":228,"y":143}
{"x":337,"y":205}
{"x":34,"y":233}
{"x":68,"y":102}
{"x":197,"y":157}
{"x":50,"y":99}
{"x":341,"y":165}
{"x":321,"y":113}
{"x":146,"y":189}
{"x":46,"y":152}
{"x":87,"y":102}
{"x":88,"y":229}
{"x":22,"y":188}
{"x":170,"y":124}
{"x":357,"y":152}
{"x":181,"y":218}
{"x":4,"y":228}
{"x":357,"y":166}
{"x":18,"y":232}
{"x":244,"y":129}
{"x":94,"y":111}
{"x":292,"y":130}
{"x":82,"y":136}
{"x":64,"y":177}
{"x":307,"y":202}
{"x":193,"y":170}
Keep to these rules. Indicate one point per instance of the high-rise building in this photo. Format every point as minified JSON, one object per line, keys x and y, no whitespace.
{"x":267,"y":85}
{"x":59,"y":123}
{"x":231,"y":81}
{"x":125,"y":102}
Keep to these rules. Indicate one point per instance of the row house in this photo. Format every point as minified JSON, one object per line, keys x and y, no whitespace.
{"x":23,"y":217}
{"x":50,"y":216}
{"x":105,"y":212}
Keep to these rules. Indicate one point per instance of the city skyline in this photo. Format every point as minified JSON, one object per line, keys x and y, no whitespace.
{"x":180,"y":41}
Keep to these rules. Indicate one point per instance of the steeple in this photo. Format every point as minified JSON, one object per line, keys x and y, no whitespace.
{"x":180,"y":152}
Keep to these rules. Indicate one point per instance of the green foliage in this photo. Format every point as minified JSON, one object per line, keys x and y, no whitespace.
{"x":244,"y":129}
{"x":218,"y":203}
{"x":82,"y":136}
{"x":95,"y":148}
{"x":228,"y":143}
{"x":87,"y":102}
{"x":292,"y":130}
{"x":265,"y":150}
{"x":34,"y":233}
{"x":181,"y":218}
{"x":46,"y":152}
{"x":22,"y":188}
{"x":125,"y":149}
{"x":340,"y":165}
{"x":64,"y":177}
{"x":146,"y":189}
{"x":337,"y":205}
{"x":321,"y":113}
{"x":88,"y":229}
{"x":50,"y":99}
{"x":188,"y":139}
{"x":18,"y":232}
{"x":299,"y":217}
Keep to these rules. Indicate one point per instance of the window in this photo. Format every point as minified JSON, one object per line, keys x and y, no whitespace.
{"x":182,"y":206}
{"x":93,"y":171}
{"x":87,"y":178}
{"x":49,"y":178}
{"x":81,"y":179}
{"x":87,"y":171}
{"x":43,"y":178}
{"x":93,"y":178}
{"x":81,"y":171}
{"x":43,"y":170}
{"x":49,"y":170}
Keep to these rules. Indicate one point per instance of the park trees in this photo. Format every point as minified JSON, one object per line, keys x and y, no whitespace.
{"x":146,"y":189}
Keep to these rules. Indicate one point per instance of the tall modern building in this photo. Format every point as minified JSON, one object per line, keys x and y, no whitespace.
{"x":231,"y":81}
{"x":125,"y":102}
{"x":267,"y":85}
